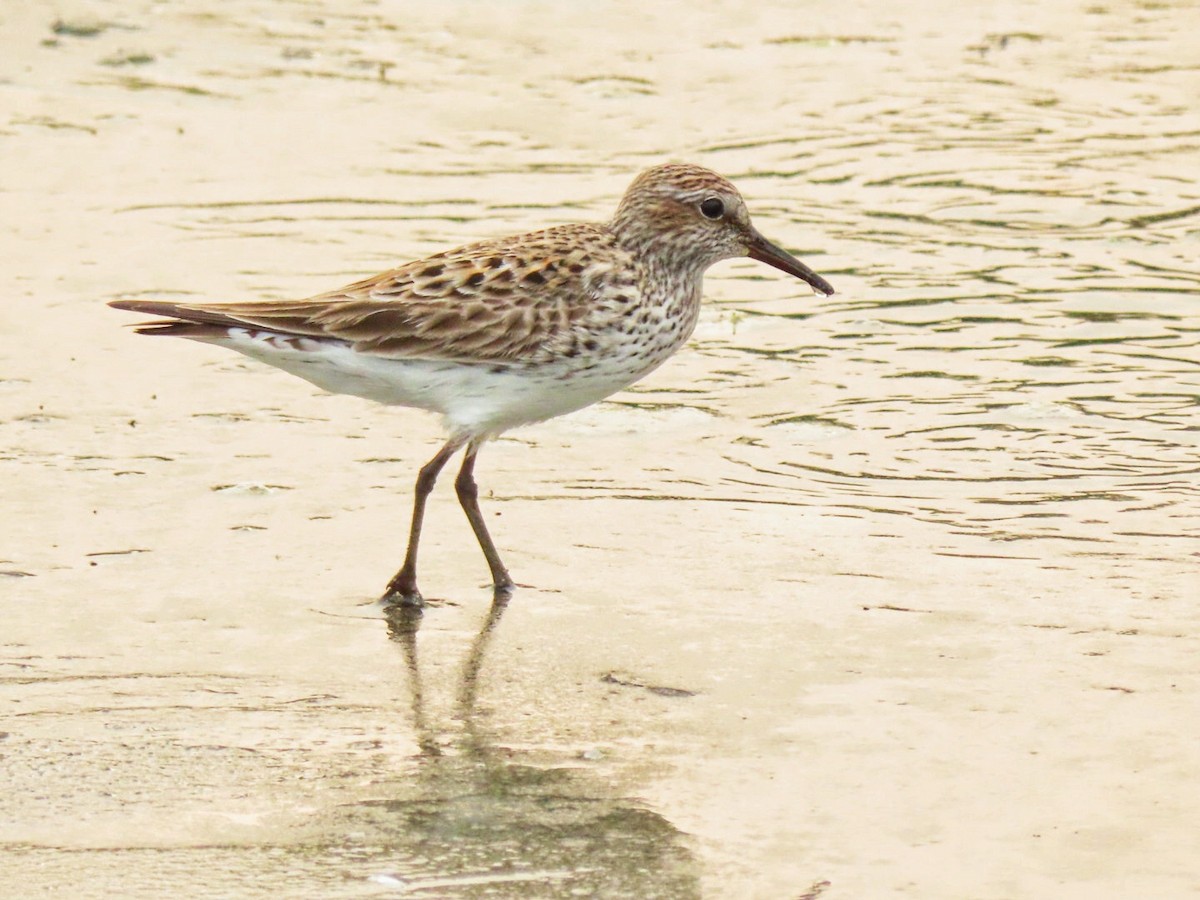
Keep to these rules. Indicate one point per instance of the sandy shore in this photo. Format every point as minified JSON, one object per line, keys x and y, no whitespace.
{"x":891,"y":594}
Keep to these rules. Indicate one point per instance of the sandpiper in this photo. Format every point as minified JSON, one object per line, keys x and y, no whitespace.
{"x":503,"y":332}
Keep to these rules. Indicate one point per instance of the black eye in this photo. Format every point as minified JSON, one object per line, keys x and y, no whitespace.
{"x":712,"y":208}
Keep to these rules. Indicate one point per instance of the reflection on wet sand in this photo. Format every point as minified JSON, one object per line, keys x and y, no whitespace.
{"x":473,"y":816}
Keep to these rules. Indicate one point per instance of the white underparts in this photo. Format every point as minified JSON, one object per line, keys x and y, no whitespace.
{"x":476,"y":399}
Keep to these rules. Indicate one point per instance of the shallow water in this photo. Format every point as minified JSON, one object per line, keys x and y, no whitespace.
{"x":890,"y":593}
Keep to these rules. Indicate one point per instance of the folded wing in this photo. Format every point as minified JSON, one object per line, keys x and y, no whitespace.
{"x":496,"y":301}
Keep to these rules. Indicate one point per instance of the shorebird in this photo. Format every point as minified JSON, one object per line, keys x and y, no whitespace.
{"x":504,"y":332}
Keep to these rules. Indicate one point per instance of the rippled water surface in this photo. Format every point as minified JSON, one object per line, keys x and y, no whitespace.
{"x":989,"y":433}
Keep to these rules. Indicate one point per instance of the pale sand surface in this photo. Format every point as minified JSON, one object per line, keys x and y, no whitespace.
{"x":889,"y":594}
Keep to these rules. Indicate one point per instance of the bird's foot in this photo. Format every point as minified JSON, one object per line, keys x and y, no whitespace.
{"x":395,"y":600}
{"x":502,"y":587}
{"x":402,"y":592}
{"x":502,"y":592}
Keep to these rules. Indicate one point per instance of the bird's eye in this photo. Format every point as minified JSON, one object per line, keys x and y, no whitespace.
{"x":712,"y":208}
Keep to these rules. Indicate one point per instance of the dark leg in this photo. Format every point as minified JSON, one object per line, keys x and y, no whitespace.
{"x":468,"y":496}
{"x":403,"y":586}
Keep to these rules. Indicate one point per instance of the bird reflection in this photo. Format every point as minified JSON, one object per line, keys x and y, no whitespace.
{"x":402,"y":624}
{"x":471,"y":818}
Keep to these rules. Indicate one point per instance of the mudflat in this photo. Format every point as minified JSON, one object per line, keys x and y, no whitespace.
{"x":886,"y":594}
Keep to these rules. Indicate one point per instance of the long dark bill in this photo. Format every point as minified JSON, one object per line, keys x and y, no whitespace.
{"x":764,"y":251}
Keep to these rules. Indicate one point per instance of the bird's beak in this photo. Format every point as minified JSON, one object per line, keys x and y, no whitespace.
{"x":764,"y":251}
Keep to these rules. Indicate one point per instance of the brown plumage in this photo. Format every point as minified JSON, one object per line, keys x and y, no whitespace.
{"x":521,"y":299}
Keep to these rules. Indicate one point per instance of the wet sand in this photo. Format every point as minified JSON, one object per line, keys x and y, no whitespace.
{"x":888,"y":594}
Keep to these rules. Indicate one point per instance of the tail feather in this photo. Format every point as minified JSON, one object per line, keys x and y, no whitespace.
{"x":178,"y":328}
{"x":179,"y":311}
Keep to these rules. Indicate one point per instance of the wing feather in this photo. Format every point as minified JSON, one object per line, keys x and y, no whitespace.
{"x":497,"y":301}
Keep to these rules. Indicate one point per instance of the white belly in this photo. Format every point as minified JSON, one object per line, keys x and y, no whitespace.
{"x":475,"y":399}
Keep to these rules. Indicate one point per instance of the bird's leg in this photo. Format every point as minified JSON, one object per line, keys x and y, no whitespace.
{"x":402,"y":589}
{"x":468,"y":496}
